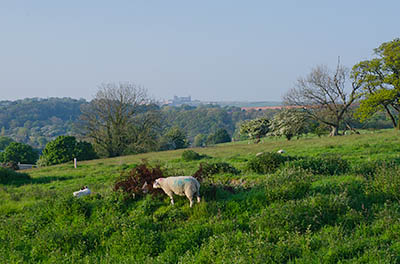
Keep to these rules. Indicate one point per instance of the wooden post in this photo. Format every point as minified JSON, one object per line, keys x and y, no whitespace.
{"x":75,"y":163}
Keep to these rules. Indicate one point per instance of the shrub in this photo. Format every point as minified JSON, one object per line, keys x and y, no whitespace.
{"x":10,"y":165}
{"x":207,"y":169}
{"x":189,"y":155}
{"x":368,"y":169}
{"x":265,"y":163}
{"x":133,"y":182}
{"x":326,"y":164}
{"x":9,"y":176}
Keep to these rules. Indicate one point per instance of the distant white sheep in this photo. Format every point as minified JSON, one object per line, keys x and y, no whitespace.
{"x":82,"y":192}
{"x":180,"y":185}
{"x":281,"y":151}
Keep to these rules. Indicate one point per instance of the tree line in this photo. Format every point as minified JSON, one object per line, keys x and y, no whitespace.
{"x":122,"y":119}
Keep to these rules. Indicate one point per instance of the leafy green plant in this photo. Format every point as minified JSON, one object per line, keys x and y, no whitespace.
{"x":370,"y":168}
{"x":265,"y":163}
{"x":208,"y":169}
{"x":190,"y":155}
{"x":325,"y":164}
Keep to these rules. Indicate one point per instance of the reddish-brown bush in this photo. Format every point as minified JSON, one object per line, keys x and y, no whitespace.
{"x":135,"y":181}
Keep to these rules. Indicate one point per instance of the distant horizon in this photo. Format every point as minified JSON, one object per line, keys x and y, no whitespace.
{"x":193,"y":100}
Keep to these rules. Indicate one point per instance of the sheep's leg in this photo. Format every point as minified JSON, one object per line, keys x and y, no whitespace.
{"x":189,"y":195}
{"x":198,"y":195}
{"x":171,"y":197}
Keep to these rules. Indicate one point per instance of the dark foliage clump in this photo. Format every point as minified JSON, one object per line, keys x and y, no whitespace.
{"x":10,"y":165}
{"x":265,"y":163}
{"x":8,"y":176}
{"x":190,"y":155}
{"x":369,"y":169}
{"x":325,"y":164}
{"x":139,"y":180}
{"x":207,"y":169}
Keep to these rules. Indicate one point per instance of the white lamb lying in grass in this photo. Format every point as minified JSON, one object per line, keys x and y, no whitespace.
{"x":82,"y":192}
{"x":180,"y":185}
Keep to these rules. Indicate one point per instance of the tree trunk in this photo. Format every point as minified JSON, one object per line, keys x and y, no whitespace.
{"x":398,"y":122}
{"x":395,"y":125}
{"x":334,"y":131}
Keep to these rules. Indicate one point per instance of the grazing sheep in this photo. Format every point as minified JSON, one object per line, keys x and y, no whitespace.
{"x":82,"y":192}
{"x":281,"y":151}
{"x":180,"y":185}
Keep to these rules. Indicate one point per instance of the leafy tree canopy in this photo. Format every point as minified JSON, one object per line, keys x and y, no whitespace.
{"x":4,"y":142}
{"x":380,"y":81}
{"x":289,"y":123}
{"x":220,"y":136}
{"x":19,"y":152}
{"x":256,"y":128}
{"x":66,"y":148}
{"x":175,"y":138}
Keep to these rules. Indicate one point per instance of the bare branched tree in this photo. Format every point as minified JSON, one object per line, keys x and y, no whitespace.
{"x":117,"y":119}
{"x":324,"y":95}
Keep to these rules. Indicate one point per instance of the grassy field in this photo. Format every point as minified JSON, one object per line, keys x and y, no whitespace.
{"x":298,"y":213}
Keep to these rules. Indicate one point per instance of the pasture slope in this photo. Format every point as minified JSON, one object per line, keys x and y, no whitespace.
{"x":302,"y":212}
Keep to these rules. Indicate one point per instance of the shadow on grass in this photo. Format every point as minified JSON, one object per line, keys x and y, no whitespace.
{"x":39,"y":180}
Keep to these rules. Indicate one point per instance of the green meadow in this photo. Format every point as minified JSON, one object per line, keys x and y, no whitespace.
{"x":329,"y":200}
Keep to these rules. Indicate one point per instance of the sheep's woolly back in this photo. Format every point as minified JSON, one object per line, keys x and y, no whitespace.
{"x":179,"y":184}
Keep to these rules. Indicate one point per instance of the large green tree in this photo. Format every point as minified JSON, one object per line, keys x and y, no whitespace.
{"x":120,"y":119}
{"x":64,"y":149}
{"x":175,"y":138}
{"x":380,"y":81}
{"x":19,"y":152}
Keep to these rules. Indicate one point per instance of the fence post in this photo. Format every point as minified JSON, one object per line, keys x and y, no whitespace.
{"x":75,"y":163}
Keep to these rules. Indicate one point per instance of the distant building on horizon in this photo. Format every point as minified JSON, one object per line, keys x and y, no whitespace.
{"x":182,"y":100}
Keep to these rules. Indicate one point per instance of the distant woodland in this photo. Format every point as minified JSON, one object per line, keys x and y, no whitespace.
{"x":37,"y":121}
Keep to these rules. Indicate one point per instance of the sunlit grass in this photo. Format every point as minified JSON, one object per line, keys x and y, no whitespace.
{"x":287,"y":216}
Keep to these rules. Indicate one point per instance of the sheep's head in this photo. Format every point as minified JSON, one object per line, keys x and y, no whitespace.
{"x":145,"y":187}
{"x":156,"y":183}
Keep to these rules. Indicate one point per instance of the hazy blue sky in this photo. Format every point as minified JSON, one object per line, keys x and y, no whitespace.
{"x":211,"y":50}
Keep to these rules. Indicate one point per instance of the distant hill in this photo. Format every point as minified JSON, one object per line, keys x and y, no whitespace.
{"x":36,"y":121}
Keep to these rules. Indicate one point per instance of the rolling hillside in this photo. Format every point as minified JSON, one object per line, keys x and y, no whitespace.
{"x":302,"y":212}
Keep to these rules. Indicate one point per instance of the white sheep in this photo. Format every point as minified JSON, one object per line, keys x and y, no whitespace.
{"x":281,"y":151}
{"x":180,"y":185}
{"x":82,"y":192}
